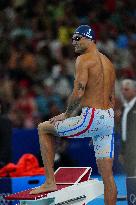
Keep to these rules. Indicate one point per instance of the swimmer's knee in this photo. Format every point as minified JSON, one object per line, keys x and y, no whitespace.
{"x":46,"y":128}
{"x":42,"y":126}
{"x":39,"y":126}
{"x":105,"y":167}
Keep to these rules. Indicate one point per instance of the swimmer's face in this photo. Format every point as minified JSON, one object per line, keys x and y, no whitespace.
{"x":80,"y":43}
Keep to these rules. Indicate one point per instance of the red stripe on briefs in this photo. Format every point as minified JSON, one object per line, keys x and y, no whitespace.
{"x":89,"y":125}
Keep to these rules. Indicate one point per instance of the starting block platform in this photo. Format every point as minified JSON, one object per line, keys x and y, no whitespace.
{"x":74,"y":186}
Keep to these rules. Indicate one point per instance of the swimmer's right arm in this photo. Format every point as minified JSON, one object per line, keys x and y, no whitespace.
{"x":80,"y":82}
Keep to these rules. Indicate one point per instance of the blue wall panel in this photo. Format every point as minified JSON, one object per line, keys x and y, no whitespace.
{"x":26,"y":141}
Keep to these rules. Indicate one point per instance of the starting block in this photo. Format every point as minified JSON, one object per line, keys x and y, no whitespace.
{"x":74,"y":186}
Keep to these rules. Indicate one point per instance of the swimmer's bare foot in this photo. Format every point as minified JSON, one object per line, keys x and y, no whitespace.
{"x":44,"y":188}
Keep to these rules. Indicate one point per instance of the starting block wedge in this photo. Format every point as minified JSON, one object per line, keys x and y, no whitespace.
{"x":74,"y":186}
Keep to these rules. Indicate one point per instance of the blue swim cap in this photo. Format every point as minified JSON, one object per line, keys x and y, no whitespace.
{"x":85,"y":31}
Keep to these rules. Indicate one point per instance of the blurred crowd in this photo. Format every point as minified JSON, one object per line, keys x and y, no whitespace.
{"x":37,"y":58}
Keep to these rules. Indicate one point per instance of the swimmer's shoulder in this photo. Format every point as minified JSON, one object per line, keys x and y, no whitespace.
{"x":86,"y":60}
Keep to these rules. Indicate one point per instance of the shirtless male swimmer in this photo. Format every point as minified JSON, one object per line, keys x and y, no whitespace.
{"x":93,"y":92}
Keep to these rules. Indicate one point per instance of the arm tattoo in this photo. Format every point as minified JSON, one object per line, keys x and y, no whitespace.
{"x":110,"y":98}
{"x":75,"y":100}
{"x":81,"y":86}
{"x":73,"y":105}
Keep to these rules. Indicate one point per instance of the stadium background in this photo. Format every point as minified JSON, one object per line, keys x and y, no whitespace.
{"x":37,"y":64}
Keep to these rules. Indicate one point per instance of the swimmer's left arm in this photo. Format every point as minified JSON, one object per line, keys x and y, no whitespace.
{"x":80,"y":82}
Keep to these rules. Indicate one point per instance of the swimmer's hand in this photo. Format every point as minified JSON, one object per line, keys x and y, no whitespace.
{"x":60,"y":117}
